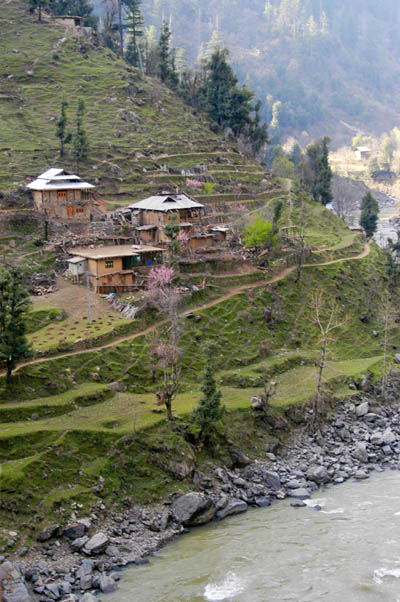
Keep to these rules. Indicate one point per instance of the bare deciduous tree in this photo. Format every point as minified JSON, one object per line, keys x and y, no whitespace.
{"x":166,"y":346}
{"x":326,"y":317}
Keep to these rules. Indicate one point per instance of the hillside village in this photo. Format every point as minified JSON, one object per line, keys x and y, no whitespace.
{"x":168,"y":253}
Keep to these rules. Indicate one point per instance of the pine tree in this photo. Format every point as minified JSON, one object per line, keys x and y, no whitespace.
{"x":369,"y":214}
{"x":324,"y":175}
{"x":14,"y":302}
{"x":135,"y":31}
{"x":166,"y":58}
{"x":80,"y":142}
{"x":61,"y":132}
{"x":209,"y":409}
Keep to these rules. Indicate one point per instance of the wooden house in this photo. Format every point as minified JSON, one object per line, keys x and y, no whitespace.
{"x":151,"y":215}
{"x":118,"y":268}
{"x":62,"y":195}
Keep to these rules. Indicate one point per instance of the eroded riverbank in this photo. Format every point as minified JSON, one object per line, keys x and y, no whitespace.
{"x":360,"y":436}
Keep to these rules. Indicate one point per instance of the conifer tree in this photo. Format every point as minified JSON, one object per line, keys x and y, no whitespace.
{"x":369,"y":214}
{"x":14,"y":302}
{"x":80,"y":142}
{"x":135,"y":31}
{"x":324,"y":174}
{"x":61,"y":132}
{"x":166,"y":58}
{"x":209,"y":409}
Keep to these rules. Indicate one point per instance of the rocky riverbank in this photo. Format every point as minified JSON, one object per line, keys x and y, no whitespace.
{"x":84,"y":559}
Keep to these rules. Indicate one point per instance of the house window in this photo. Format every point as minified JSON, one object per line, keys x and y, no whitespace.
{"x":109,"y":263}
{"x":80,"y":209}
{"x":62,"y":194}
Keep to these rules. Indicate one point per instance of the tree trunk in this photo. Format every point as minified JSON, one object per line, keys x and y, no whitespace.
{"x":121,"y":35}
{"x":9,"y":371}
{"x":168,"y":405}
{"x":319,"y":381}
{"x":40,"y":13}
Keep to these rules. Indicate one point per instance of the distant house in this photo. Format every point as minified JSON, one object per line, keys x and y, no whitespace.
{"x":69,"y":20}
{"x":62,"y":195}
{"x":151,"y":215}
{"x":115,"y":268}
{"x":363,"y":152}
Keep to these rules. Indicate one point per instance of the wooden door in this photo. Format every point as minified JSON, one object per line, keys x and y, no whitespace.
{"x":70,"y":210}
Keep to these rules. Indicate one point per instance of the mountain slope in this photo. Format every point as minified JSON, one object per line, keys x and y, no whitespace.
{"x":326,"y":62}
{"x":141,"y":135}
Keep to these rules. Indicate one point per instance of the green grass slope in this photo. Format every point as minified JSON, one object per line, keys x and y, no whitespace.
{"x":142,"y":137}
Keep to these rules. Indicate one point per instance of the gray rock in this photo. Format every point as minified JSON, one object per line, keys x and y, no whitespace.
{"x":388,"y":436}
{"x":77,"y":544}
{"x":65,"y":587}
{"x":262,"y":501}
{"x":193,"y":509}
{"x":96,"y":544}
{"x":318,"y":474}
{"x":361,"y":474}
{"x":234,"y":507}
{"x":48,"y":532}
{"x":360,"y":452}
{"x":397,"y":358}
{"x":107,"y":584}
{"x":271,"y":479}
{"x":89,"y":598}
{"x":74,"y":531}
{"x":301,"y":494}
{"x":85,"y":574}
{"x":13,"y":584}
{"x":53,"y":590}
{"x":362,"y":409}
{"x":376,"y":438}
{"x":298,"y":504}
{"x":86,"y":522}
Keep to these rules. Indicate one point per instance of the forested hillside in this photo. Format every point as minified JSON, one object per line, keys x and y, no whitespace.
{"x":313,"y":63}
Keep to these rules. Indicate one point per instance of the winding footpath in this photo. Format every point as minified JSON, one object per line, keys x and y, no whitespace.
{"x":228,"y":295}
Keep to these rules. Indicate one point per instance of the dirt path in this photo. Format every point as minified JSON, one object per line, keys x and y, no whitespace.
{"x":231,"y":293}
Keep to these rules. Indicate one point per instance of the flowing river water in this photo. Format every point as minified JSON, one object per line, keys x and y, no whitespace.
{"x":349,"y":551}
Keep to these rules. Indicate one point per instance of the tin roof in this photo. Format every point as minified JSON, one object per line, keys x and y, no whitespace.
{"x":56,"y":179}
{"x":76,"y":259}
{"x":112,"y":251}
{"x":167,"y":202}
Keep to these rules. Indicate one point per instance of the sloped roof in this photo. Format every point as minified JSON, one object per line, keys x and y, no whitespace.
{"x":56,"y":179}
{"x":166,"y":202}
{"x":112,"y":251}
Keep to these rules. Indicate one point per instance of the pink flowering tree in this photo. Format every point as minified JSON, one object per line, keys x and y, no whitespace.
{"x":192,"y":183}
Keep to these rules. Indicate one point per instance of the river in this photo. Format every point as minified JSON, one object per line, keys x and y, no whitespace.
{"x":349,"y":551}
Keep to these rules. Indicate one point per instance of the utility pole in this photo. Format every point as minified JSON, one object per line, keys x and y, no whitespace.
{"x":89,"y":316}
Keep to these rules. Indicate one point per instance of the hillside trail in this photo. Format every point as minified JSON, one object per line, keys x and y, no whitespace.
{"x":228,"y":295}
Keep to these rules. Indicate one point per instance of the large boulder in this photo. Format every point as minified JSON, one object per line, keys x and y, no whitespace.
{"x":271,"y":479}
{"x":362,"y":409}
{"x":13,"y":584}
{"x":96,"y":544}
{"x":388,"y":436}
{"x":234,"y":507}
{"x":193,"y":509}
{"x":318,"y":474}
{"x":74,"y":531}
{"x":48,"y":532}
{"x":107,"y":584}
{"x":300,"y":494}
{"x":360,"y":452}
